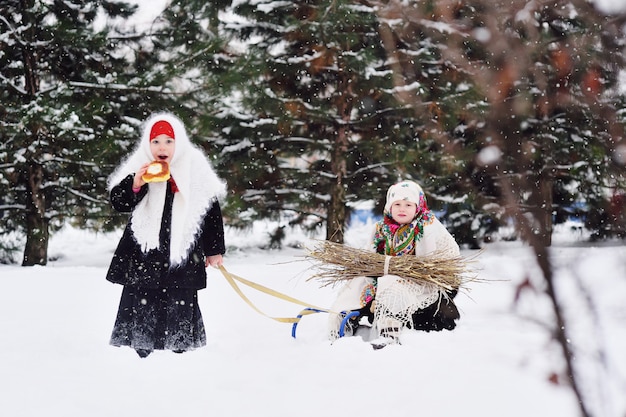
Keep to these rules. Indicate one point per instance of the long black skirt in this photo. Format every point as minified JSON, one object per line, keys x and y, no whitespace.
{"x":158,"y":319}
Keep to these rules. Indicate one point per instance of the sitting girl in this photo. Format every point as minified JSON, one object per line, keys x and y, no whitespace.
{"x":390,"y":302}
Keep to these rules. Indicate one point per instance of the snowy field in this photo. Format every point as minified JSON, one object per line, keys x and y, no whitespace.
{"x":500,"y":362}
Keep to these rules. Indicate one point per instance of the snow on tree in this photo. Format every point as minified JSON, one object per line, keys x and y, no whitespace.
{"x":312,"y":123}
{"x":70,"y":103}
{"x":306,"y":110}
{"x":308,"y":107}
{"x":545,"y":78}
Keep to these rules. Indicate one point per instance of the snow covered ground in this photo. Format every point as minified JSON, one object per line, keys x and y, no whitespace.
{"x":55,"y":359}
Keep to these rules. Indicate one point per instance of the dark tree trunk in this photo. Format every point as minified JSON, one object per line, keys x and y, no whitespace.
{"x":337,"y":211}
{"x":336,"y":215}
{"x":336,"y":218}
{"x":36,"y":250}
{"x":545,"y":211}
{"x":539,"y":207}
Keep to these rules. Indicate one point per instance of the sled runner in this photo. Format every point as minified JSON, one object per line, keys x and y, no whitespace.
{"x":348,"y":316}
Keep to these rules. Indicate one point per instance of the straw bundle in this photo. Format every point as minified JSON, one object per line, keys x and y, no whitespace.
{"x":337,"y":262}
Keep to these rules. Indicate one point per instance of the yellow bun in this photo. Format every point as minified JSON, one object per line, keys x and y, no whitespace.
{"x":158,"y":171}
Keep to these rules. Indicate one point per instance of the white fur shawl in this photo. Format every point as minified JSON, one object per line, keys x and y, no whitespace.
{"x":198,"y":185}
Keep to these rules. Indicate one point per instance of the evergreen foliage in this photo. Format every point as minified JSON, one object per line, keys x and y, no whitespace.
{"x":543,"y":124}
{"x":70,"y":102}
{"x":319,"y":124}
{"x":309,"y":106}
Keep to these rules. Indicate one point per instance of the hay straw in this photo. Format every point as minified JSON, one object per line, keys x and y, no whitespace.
{"x":336,"y":263}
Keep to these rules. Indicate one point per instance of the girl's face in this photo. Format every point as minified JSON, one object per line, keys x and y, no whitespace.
{"x":403,"y":212}
{"x":162,"y":148}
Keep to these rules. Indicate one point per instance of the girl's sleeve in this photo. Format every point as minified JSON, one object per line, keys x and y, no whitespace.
{"x":123,"y":198}
{"x":437,"y":241}
{"x":213,"y":232}
{"x":446,"y":245}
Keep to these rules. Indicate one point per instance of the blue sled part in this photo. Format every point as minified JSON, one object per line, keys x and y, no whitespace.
{"x":299,"y":316}
{"x":342,"y":327}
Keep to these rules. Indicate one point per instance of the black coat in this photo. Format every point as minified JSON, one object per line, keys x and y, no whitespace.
{"x":131,"y":266}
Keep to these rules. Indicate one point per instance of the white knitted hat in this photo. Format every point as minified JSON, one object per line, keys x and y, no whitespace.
{"x":405,"y":190}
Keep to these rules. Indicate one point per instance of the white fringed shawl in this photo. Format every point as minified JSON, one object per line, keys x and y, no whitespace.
{"x":198,"y":185}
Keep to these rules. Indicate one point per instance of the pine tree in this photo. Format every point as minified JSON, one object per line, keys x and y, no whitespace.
{"x":70,"y":102}
{"x":565,"y":103}
{"x":319,"y":125}
{"x":304,"y":114}
{"x":544,"y":77}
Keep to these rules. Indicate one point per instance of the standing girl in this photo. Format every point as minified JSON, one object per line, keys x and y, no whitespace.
{"x":174,"y":232}
{"x":393,"y":303}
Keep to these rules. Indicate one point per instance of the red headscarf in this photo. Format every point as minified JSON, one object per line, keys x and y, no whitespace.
{"x":162,"y":128}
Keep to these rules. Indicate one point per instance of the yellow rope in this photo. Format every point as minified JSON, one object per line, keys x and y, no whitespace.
{"x":231,"y":278}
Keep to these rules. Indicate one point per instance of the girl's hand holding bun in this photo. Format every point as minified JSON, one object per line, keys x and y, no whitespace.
{"x":154,"y":171}
{"x":157,"y":171}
